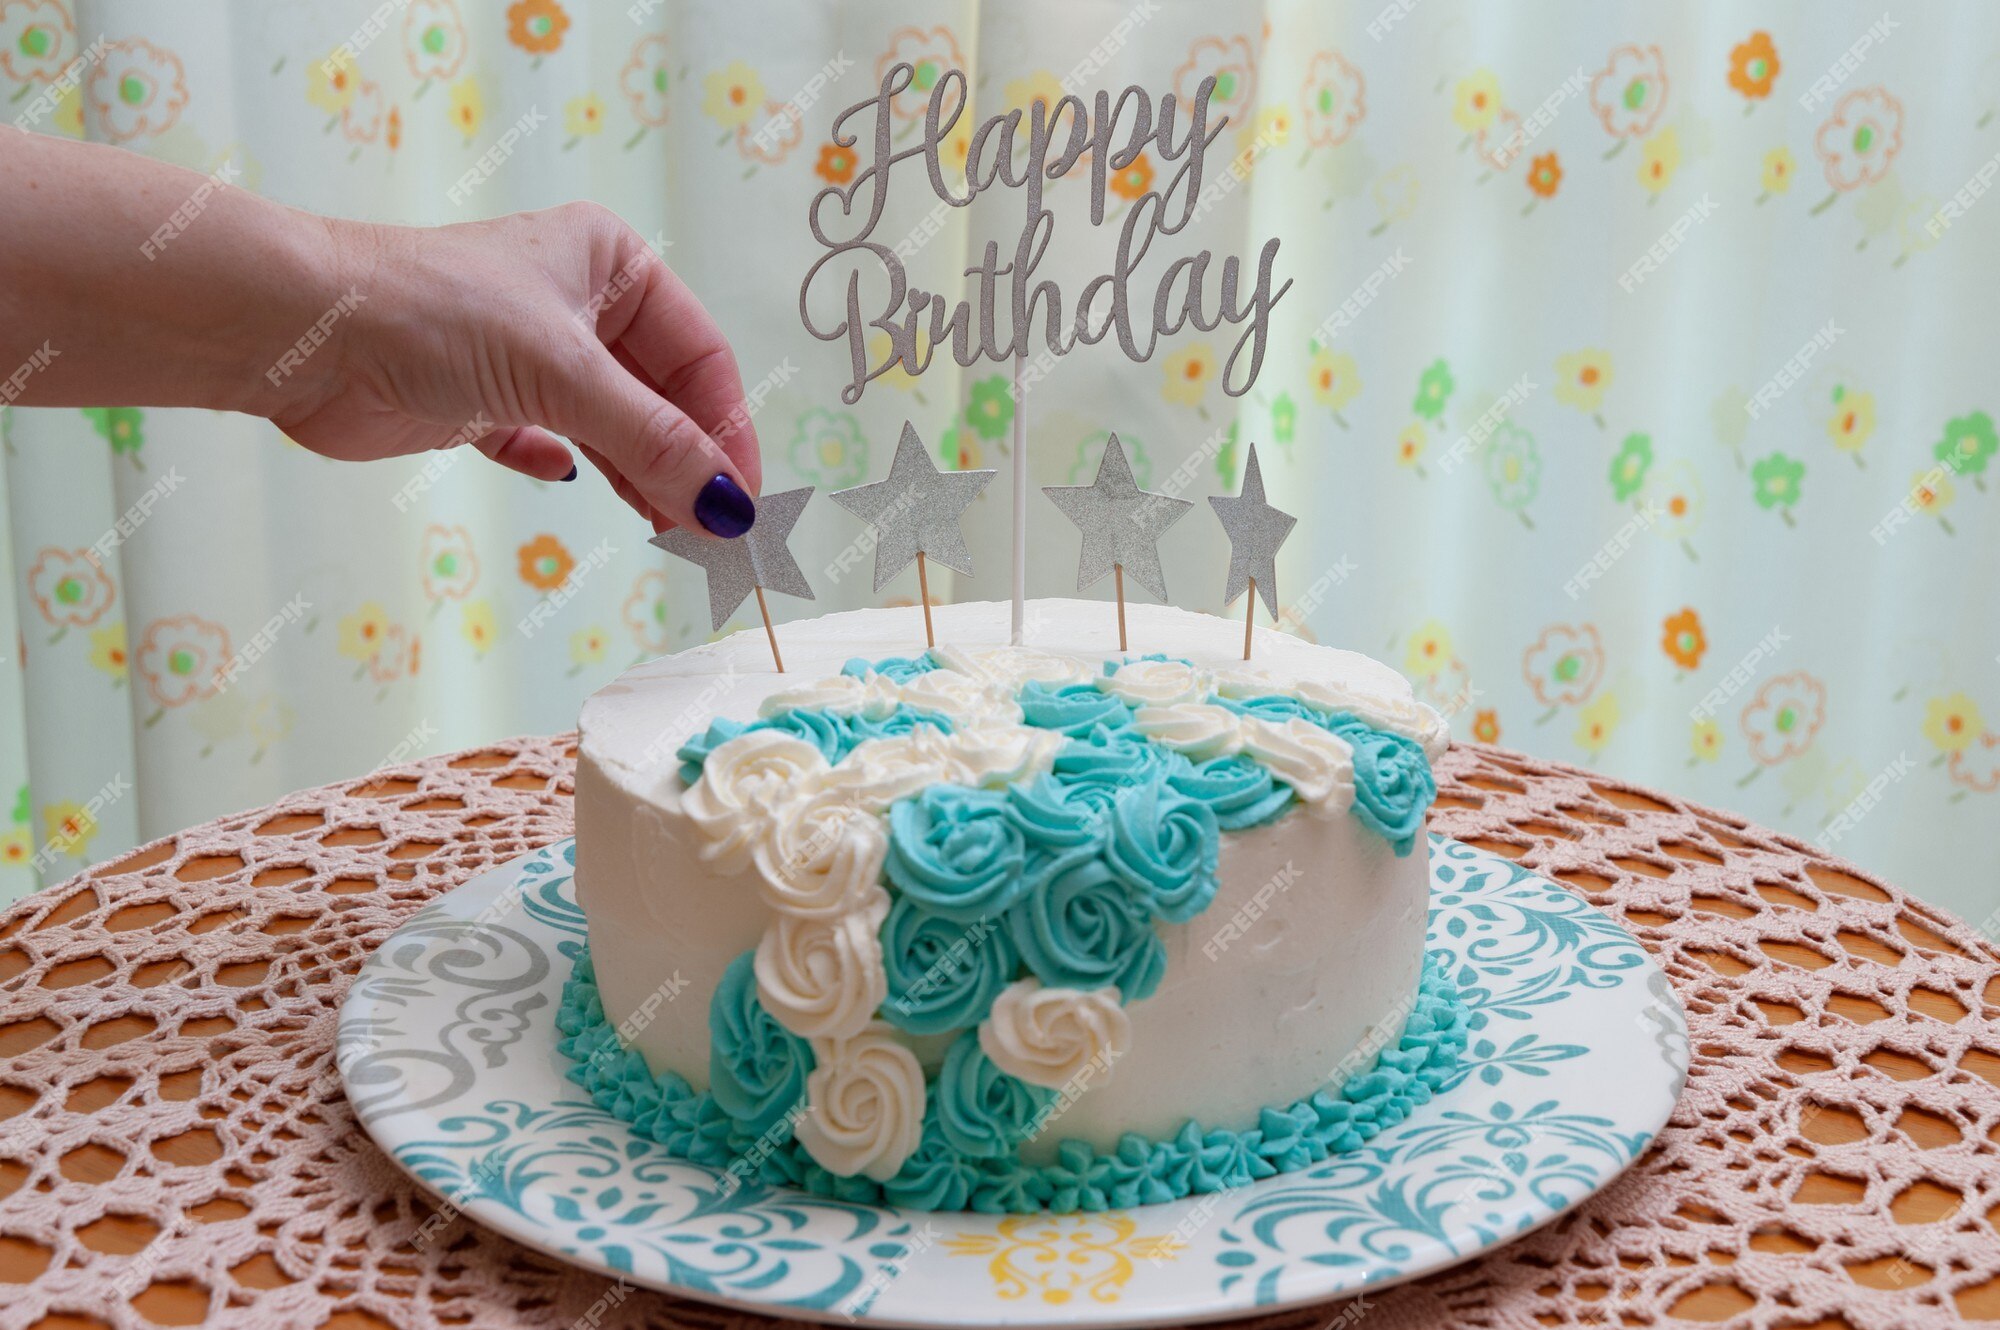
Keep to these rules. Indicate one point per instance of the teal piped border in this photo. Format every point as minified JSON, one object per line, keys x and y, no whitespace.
{"x":1141,"y":1171}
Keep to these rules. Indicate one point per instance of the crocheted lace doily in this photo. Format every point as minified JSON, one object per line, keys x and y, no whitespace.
{"x":175,"y":1147}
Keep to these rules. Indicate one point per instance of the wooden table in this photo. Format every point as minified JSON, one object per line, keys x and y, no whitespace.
{"x":175,"y":1148}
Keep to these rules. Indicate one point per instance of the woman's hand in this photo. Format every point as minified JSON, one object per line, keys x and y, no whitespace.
{"x":503,"y":334}
{"x":128,"y":282}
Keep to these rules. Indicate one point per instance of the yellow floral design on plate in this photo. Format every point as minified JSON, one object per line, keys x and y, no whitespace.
{"x":1060,"y":1258}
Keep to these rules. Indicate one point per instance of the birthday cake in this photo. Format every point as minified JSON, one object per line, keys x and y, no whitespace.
{"x":1007,"y":928}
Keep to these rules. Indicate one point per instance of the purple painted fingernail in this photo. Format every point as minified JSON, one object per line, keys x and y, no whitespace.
{"x":724,"y":508}
{"x":572,"y":472}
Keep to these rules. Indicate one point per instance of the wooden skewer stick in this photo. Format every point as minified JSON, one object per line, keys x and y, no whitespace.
{"x":1118,"y":574}
{"x":924,"y":594}
{"x":765,"y":610}
{"x":1249,"y":615}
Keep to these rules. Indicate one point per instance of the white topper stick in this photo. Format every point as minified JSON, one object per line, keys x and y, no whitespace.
{"x":1020,"y":506}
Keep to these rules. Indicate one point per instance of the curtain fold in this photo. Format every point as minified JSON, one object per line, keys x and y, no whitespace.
{"x":1633,"y":388}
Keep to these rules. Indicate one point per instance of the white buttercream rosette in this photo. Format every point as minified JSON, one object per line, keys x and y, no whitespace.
{"x":1317,"y":764}
{"x":1398,"y":712}
{"x":873,"y":697}
{"x":1199,"y":730}
{"x":1158,"y":683}
{"x":880,"y":771}
{"x":822,"y":978}
{"x":744,"y":782}
{"x":819,"y":854}
{"x":864,"y":1104}
{"x":968,"y":701}
{"x":1049,"y":1036}
{"x":1010,"y":669}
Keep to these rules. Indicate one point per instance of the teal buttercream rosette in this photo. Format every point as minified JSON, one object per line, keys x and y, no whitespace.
{"x":955,"y":851}
{"x":1163,"y":847}
{"x":982,"y":1111}
{"x":1073,"y":709}
{"x":1086,"y":928}
{"x":756,"y":1067}
{"x":942,"y":975}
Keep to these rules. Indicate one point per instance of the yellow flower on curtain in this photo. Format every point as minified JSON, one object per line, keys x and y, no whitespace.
{"x":1706,"y":741}
{"x":1932,"y":492}
{"x":467,"y":106}
{"x":17,"y":847}
{"x":362,"y":633}
{"x":1429,"y":652}
{"x":732,"y":95}
{"x":587,"y":647}
{"x":107,"y":651}
{"x":476,"y":625}
{"x":1852,"y":421}
{"x":1336,"y":380}
{"x":1582,"y":377}
{"x":69,"y":827}
{"x":1952,"y":723}
{"x":1410,"y":446}
{"x":1476,"y":100}
{"x":1659,"y":159}
{"x":1188,"y":372}
{"x":1271,"y":129}
{"x":330,"y":83}
{"x":1779,"y":168}
{"x":1596,"y":722}
{"x":582,"y":117}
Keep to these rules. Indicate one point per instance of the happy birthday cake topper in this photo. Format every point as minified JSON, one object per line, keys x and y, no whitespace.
{"x":919,"y":322}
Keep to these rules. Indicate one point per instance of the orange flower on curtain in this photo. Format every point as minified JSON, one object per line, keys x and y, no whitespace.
{"x":1753,"y":66}
{"x":544,"y":563}
{"x":537,"y":26}
{"x":1682,"y":638}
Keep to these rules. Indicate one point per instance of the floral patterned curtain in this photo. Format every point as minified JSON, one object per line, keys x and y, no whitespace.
{"x":1632,"y":387}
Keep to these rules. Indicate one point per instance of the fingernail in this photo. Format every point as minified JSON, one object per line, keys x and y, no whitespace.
{"x":572,"y":473}
{"x":724,"y":508}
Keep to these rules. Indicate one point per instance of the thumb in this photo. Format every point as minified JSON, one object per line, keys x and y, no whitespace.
{"x":677,"y":469}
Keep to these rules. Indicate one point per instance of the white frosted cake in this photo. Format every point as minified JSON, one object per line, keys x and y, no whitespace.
{"x":1007,"y":928}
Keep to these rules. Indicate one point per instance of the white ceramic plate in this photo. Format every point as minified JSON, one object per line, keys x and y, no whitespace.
{"x":1578,"y":1052}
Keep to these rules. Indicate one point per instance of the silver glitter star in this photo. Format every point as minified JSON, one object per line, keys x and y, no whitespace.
{"x":758,"y":557}
{"x":1121,"y":523}
{"x":916,"y":510}
{"x":1256,"y":529}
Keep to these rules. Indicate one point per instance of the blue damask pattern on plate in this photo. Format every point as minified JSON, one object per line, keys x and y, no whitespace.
{"x":1579,"y":1049}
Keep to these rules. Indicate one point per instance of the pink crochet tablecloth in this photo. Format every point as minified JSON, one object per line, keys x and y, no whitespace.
{"x":175,"y":1146}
